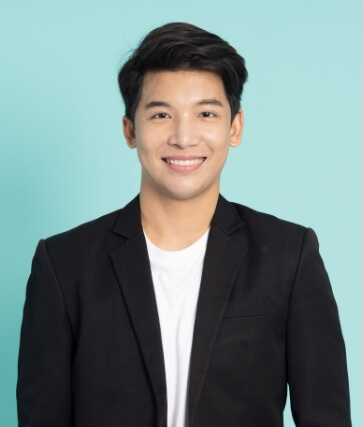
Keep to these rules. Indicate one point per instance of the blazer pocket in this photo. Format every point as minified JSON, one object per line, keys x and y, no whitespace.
{"x":250,"y":308}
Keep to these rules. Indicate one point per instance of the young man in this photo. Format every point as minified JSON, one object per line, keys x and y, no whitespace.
{"x":181,"y":309}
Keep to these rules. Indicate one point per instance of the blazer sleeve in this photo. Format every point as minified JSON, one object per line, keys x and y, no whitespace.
{"x":317,"y":368}
{"x":44,"y":394}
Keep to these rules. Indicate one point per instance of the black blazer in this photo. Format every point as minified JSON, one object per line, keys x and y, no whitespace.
{"x":91,"y":351}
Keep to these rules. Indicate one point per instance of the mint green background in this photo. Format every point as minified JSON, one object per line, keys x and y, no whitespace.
{"x":63,"y":159}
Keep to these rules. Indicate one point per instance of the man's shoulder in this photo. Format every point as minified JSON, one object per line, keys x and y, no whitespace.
{"x":87,"y":230}
{"x":268,"y":234}
{"x":261,"y":225}
{"x":100,"y":228}
{"x":259,"y":218}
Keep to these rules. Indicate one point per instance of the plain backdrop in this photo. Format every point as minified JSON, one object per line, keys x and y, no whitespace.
{"x":64,"y":161}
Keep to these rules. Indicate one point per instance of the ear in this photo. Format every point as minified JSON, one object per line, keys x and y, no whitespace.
{"x":129,"y":132}
{"x":236,"y":129}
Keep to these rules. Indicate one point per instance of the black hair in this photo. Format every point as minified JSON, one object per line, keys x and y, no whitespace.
{"x":181,"y":46}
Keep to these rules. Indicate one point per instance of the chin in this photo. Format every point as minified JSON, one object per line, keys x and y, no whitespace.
{"x":184,"y":194}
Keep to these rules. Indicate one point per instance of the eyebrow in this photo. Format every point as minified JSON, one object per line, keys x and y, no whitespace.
{"x":211,"y":101}
{"x":153,"y":104}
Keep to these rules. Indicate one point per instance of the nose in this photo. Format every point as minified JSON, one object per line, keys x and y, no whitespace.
{"x":184,"y":133}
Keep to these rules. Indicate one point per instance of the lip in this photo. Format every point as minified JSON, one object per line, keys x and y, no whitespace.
{"x":184,"y":163}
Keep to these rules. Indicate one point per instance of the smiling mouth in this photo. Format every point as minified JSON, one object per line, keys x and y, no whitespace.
{"x":188,"y":162}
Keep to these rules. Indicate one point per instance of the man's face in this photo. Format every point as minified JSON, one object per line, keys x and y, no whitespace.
{"x":182,"y":131}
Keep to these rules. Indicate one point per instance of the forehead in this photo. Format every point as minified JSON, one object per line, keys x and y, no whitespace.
{"x":182,"y":85}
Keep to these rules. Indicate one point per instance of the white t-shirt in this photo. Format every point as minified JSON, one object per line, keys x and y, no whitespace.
{"x":176,"y":278}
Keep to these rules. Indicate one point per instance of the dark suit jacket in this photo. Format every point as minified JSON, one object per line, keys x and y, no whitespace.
{"x":91,"y":351}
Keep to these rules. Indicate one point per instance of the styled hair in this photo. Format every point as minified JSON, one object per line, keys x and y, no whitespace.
{"x":181,"y":46}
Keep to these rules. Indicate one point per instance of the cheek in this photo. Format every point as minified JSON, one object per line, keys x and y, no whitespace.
{"x":147,"y":152}
{"x":144,"y":155}
{"x":217,"y":138}
{"x":220,"y":148}
{"x":145,"y":144}
{"x":149,"y":138}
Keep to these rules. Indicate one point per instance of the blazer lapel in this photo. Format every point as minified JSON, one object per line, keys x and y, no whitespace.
{"x":226,"y":250}
{"x":132,"y":267}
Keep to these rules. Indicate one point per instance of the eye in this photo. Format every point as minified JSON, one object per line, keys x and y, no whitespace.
{"x":161,"y":116}
{"x":207,"y":114}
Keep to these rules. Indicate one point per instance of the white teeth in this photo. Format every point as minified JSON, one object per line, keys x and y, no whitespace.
{"x":184,"y":162}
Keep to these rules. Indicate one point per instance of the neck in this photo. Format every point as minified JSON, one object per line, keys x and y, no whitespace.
{"x":176,"y":224}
